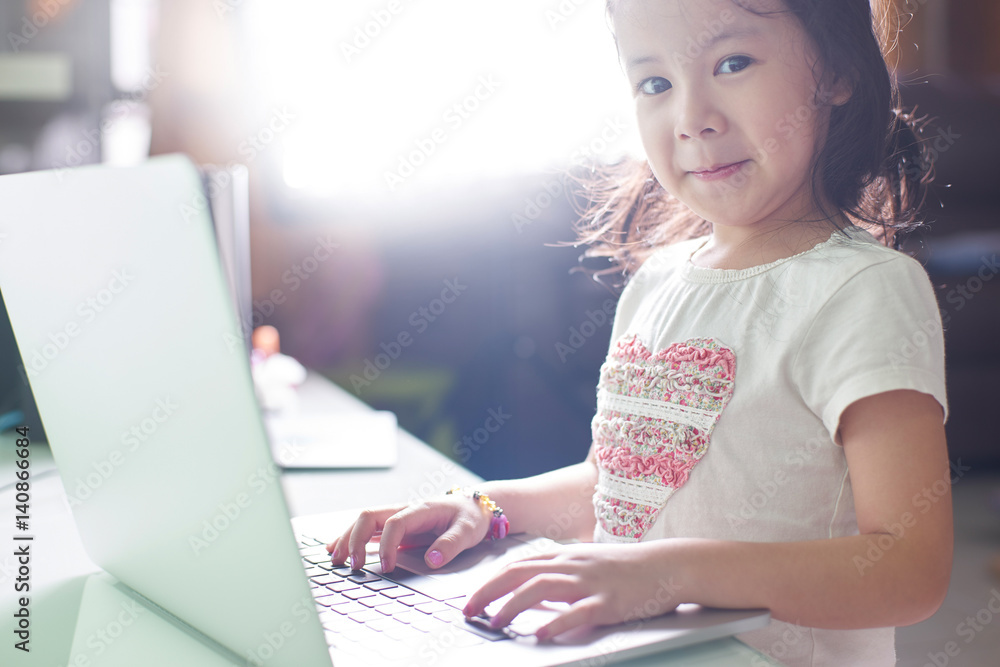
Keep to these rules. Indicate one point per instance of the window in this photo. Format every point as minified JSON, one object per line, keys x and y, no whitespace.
{"x":391,"y":96}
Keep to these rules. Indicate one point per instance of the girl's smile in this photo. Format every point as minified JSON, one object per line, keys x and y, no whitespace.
{"x":719,"y":172}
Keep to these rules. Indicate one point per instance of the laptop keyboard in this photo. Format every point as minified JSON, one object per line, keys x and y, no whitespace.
{"x":368,"y":616}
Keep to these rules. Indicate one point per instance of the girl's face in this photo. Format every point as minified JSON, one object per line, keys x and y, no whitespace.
{"x":716,"y":85}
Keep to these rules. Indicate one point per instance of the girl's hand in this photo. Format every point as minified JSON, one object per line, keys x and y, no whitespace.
{"x":449,"y":525}
{"x":605,"y":584}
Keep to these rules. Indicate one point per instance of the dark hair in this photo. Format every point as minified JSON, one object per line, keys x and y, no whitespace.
{"x":872,"y":167}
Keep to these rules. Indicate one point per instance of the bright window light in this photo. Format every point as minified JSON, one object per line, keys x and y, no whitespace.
{"x":391,"y":96}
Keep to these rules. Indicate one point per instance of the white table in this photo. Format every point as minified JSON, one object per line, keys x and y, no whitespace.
{"x":68,"y":592}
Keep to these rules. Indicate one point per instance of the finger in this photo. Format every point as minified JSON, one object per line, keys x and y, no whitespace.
{"x":462,"y":534}
{"x":583,"y":612}
{"x":503,"y":582}
{"x":407,"y":525}
{"x":339,"y":552}
{"x":369,"y":521}
{"x":544,"y":587}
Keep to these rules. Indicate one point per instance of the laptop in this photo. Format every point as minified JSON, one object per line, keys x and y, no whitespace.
{"x":121,"y":314}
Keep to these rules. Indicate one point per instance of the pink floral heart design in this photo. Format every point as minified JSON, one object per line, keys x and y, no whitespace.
{"x":654,"y":422}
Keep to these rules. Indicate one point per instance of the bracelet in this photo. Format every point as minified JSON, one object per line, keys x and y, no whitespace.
{"x":499,"y":524}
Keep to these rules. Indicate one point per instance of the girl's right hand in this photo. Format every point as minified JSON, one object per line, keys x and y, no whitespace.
{"x":449,"y":525}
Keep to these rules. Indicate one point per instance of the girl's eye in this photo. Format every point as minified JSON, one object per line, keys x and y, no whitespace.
{"x":654,"y":85}
{"x":738,"y":63}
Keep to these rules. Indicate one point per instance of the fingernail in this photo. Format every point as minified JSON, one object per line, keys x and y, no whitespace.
{"x":335,"y":553}
{"x":354,"y":563}
{"x":381,"y":561}
{"x":435,"y":558}
{"x":495,"y":622}
{"x":541,"y":634}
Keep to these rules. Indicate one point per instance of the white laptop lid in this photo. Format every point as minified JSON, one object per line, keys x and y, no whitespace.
{"x":119,"y":306}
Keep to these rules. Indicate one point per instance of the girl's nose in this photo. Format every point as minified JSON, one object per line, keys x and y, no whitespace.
{"x":698,"y":117}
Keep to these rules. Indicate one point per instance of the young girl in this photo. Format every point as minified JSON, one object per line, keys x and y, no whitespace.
{"x":769,"y":430}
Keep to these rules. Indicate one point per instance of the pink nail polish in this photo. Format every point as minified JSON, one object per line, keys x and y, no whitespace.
{"x":335,"y":553}
{"x":354,"y":563}
{"x":435,"y":558}
{"x":542,"y":634}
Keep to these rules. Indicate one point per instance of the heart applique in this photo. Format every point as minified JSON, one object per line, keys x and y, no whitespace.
{"x":654,"y":422}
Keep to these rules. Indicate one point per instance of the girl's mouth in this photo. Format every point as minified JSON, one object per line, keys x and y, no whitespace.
{"x":719,"y":173}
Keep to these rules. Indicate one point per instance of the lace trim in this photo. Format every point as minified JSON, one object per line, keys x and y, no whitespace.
{"x":633,"y":490}
{"x":644,"y":407}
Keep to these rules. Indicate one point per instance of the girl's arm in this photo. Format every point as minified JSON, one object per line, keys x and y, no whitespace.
{"x":556,"y":504}
{"x":895,"y":572}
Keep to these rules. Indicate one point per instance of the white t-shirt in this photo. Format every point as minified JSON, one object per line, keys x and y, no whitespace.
{"x":719,"y":403}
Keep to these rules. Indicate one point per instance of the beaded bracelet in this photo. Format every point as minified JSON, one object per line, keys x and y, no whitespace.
{"x":499,"y":524}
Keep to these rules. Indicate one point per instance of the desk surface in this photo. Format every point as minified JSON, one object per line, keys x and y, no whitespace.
{"x":70,"y":595}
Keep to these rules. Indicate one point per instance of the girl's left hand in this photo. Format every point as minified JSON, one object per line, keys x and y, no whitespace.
{"x":605,"y":584}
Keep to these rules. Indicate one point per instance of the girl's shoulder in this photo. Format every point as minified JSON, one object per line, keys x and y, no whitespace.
{"x":854,"y":255}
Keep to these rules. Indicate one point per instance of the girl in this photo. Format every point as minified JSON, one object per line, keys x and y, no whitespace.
{"x":770,"y":416}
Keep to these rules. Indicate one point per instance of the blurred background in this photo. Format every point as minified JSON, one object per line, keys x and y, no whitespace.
{"x":426,"y":143}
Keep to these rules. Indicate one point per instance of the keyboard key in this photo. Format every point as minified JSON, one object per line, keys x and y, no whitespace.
{"x":307,"y":541}
{"x":317,"y":558}
{"x":415,"y":599}
{"x":338,"y":599}
{"x":375,"y":601}
{"x":340,"y":585}
{"x":326,"y":578}
{"x":341,"y":570}
{"x":450,"y":616}
{"x":349,"y":607}
{"x":313,"y":571}
{"x":364,"y":616}
{"x":326,"y":600}
{"x":463,"y":638}
{"x":399,"y":593}
{"x":381,"y":623}
{"x":432,"y":607}
{"x":358,"y":593}
{"x":395,"y":609}
{"x":403,"y":616}
{"x":336,"y":622}
{"x":457,"y":603}
{"x":424,"y":623}
{"x":379,"y":585}
{"x":482,"y":629}
{"x":362,"y":577}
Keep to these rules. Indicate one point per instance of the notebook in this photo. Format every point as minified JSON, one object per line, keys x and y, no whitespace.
{"x":121,"y":314}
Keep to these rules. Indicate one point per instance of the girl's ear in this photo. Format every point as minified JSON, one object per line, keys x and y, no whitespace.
{"x":839,"y":91}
